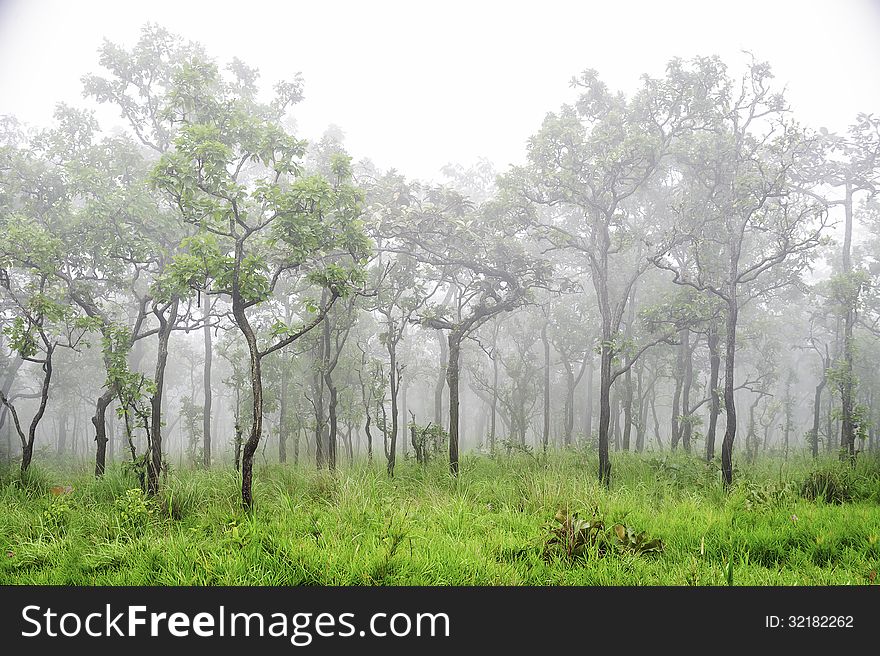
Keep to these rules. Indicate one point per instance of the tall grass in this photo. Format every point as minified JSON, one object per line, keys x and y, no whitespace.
{"x":791,"y":522}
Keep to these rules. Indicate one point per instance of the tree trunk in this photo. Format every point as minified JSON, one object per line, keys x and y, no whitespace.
{"x":331,"y":405}
{"x":627,"y":408}
{"x":253,"y":441}
{"x":847,"y":383}
{"x":369,"y":438}
{"x":282,"y":417}
{"x":817,"y":402}
{"x":62,"y":435}
{"x":403,"y":411}
{"x":154,"y":465}
{"x":729,"y":403}
{"x":441,"y":381}
{"x":452,"y":381}
{"x":318,"y":382}
{"x":605,"y":410}
{"x":588,"y":401}
{"x":686,"y":426}
{"x":615,"y":416}
{"x":675,"y":435}
{"x":715,"y":407}
{"x":206,"y":409}
{"x":656,"y":420}
{"x":100,"y":423}
{"x":492,"y":421}
{"x":394,"y":382}
{"x":545,"y":434}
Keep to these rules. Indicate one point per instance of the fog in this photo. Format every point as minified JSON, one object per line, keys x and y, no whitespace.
{"x":597,"y":227}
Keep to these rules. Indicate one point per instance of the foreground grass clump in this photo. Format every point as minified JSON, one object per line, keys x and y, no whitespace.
{"x":668,"y":517}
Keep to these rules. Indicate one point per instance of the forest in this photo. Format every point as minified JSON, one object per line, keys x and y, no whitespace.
{"x":649,"y":354}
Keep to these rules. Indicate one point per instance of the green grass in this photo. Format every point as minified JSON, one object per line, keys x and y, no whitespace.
{"x":776,"y":526}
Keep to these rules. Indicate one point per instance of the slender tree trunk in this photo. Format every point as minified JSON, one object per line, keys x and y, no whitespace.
{"x":492,"y":422}
{"x":817,"y":403}
{"x":99,"y":420}
{"x":206,"y":408}
{"x":729,"y":402}
{"x":789,"y":401}
{"x":403,"y":411}
{"x":715,"y":407}
{"x":641,"y":395}
{"x":545,"y":434}
{"x":332,"y":401}
{"x":253,"y":441}
{"x":154,"y":466}
{"x":441,"y":380}
{"x":62,"y":435}
{"x":675,"y":436}
{"x":588,"y":401}
{"x":282,"y":417}
{"x":568,"y":425}
{"x":847,"y":383}
{"x":656,"y":420}
{"x":605,"y":410}
{"x":452,"y":381}
{"x":319,"y":416}
{"x":369,"y":438}
{"x":615,"y":416}
{"x":394,"y":382}
{"x":686,"y":426}
{"x":830,"y":440}
{"x":627,"y":408}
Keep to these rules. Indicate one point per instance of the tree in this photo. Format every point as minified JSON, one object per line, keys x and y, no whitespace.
{"x":234,"y":173}
{"x":748,"y":229}
{"x":593,"y":163}
{"x":479,"y":254}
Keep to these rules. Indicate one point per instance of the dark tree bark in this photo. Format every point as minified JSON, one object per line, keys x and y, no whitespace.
{"x":154,"y":464}
{"x":99,"y":420}
{"x":729,"y":403}
{"x":332,"y":401}
{"x":206,"y":408}
{"x":452,"y":376}
{"x":605,"y":381}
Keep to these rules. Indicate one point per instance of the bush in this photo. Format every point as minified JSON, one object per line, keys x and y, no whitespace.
{"x":831,"y":484}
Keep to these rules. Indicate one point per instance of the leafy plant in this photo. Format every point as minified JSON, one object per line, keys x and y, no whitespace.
{"x":831,"y":484}
{"x":636,"y":542}
{"x":575,"y":538}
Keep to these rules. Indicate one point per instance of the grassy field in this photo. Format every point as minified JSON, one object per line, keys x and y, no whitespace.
{"x":789,"y":522}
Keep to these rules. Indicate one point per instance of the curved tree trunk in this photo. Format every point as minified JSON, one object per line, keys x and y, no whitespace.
{"x":154,"y":465}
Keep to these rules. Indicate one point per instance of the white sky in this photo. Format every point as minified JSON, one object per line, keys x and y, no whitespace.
{"x":415,"y":85}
